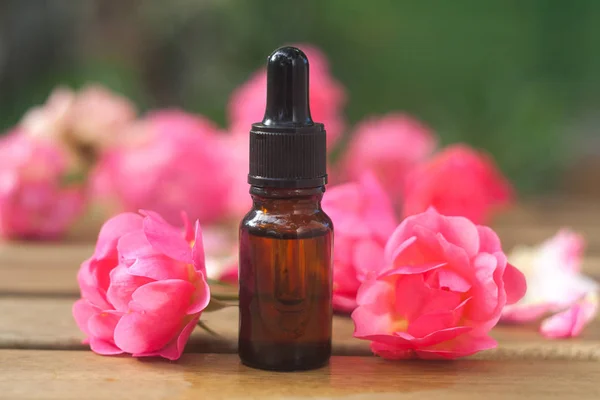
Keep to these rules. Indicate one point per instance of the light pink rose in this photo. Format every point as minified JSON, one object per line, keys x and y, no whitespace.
{"x":363,"y":218}
{"x":170,"y":161}
{"x":457,"y":181}
{"x":144,"y":289}
{"x":555,"y":286}
{"x":92,"y":116}
{"x":327,"y":98}
{"x":390,"y":146}
{"x":38,"y":198}
{"x":445,"y":284}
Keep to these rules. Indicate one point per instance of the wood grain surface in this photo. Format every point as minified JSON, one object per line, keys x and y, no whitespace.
{"x":29,"y":374}
{"x":42,"y":357}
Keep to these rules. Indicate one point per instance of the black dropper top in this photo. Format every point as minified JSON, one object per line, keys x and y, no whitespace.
{"x":287,"y":149}
{"x":287,"y":89}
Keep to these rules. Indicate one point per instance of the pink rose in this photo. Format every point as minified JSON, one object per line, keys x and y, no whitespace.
{"x":144,"y":289}
{"x":389,"y":146}
{"x":93,"y":117}
{"x":37,"y":201}
{"x":170,"y":161}
{"x":364,"y":219}
{"x":445,"y":284}
{"x":327,"y":98}
{"x":236,"y":163}
{"x":556,"y":287}
{"x":457,"y":181}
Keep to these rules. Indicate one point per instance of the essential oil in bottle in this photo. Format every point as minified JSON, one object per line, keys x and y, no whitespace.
{"x":286,"y":239}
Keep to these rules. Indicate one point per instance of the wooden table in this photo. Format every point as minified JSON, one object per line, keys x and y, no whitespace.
{"x":41,"y":355}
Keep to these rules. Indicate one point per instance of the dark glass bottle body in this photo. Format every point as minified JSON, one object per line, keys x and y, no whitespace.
{"x":285,"y":280}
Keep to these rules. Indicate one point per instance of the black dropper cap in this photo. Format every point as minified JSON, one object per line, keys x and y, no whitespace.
{"x":287,"y":149}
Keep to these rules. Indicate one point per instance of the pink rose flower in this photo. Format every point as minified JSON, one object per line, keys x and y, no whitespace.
{"x":445,"y":284}
{"x":363,"y":218}
{"x":458,"y":181}
{"x":327,"y":98}
{"x":236,"y":163}
{"x":144,"y":289}
{"x":556,"y":287}
{"x":170,"y":161}
{"x":37,"y":201}
{"x":389,"y":146}
{"x":93,"y":117}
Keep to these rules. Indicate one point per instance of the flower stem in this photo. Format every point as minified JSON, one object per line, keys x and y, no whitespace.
{"x":225,"y":297}
{"x":202,"y":325}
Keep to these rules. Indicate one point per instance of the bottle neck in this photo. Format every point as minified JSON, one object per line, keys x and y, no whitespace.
{"x":287,"y":200}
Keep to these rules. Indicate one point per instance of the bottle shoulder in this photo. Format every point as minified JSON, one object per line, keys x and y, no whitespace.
{"x":308,"y":224}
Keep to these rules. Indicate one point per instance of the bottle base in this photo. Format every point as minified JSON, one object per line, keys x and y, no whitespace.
{"x":284,"y":357}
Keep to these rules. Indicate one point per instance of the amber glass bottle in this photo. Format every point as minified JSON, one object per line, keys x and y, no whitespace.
{"x":285,"y":280}
{"x":286,"y":239}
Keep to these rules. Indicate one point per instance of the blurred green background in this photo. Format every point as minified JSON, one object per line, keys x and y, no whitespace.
{"x":517,"y":78}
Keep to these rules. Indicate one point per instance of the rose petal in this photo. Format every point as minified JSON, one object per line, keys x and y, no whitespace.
{"x":375,"y":291}
{"x":378,"y":209}
{"x":485,"y":293}
{"x":93,"y":278}
{"x":102,"y":326}
{"x":122,"y":286}
{"x":393,"y":252}
{"x":371,"y":321}
{"x":187,"y":227}
{"x":462,"y":346}
{"x":393,"y":352}
{"x":570,"y":323}
{"x":157,"y":313}
{"x":201,"y":296}
{"x":174,"y":349}
{"x":514,"y":284}
{"x":413,"y":269}
{"x":368,"y":258}
{"x":112,"y":230}
{"x":451,"y":280}
{"x":165,"y":238}
{"x":134,"y":245}
{"x":411,"y":296}
{"x":521,"y":313}
{"x":343,"y":302}
{"x":198,"y":250}
{"x":489,"y":242}
{"x":456,"y":257}
{"x":83,"y":310}
{"x":160,"y":267}
{"x":104,"y":347}
{"x":461,"y":232}
{"x":443,"y":335}
{"x":430,"y":322}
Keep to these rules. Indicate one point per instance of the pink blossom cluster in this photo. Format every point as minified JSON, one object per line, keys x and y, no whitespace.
{"x":414,"y":263}
{"x":170,"y":160}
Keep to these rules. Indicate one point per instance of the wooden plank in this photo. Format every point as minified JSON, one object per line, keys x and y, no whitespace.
{"x":63,"y":375}
{"x":34,"y":323}
{"x":41,"y":268}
